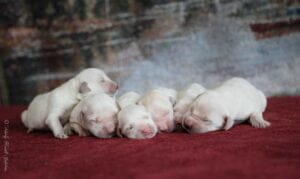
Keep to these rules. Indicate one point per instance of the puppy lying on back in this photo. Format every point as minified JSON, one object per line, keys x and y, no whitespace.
{"x":95,"y":113}
{"x":185,"y":98}
{"x":133,"y":120}
{"x":51,"y":110}
{"x":236,"y":99}
{"x":159,"y":102}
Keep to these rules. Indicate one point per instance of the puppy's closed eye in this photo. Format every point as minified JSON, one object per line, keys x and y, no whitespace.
{"x":93,"y":120}
{"x":207,"y":121}
{"x":98,"y":120}
{"x":130,"y":127}
{"x":196,"y":117}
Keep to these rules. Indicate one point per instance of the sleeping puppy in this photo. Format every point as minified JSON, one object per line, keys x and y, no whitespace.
{"x":96,"y":113}
{"x":185,"y":99}
{"x":133,"y":120}
{"x":51,"y":110}
{"x":159,"y":102}
{"x":235,"y":100}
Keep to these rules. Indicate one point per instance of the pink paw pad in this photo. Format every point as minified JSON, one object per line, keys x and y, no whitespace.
{"x":162,"y":126}
{"x":188,"y":123}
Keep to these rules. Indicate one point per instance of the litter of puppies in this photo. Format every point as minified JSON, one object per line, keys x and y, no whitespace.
{"x":86,"y":105}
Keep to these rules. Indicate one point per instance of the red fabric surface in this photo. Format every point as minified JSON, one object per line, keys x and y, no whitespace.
{"x":242,"y":152}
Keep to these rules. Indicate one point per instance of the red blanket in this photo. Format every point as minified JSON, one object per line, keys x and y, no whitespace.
{"x":241,"y":152}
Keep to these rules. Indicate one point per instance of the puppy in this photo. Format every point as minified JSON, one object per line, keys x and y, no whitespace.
{"x":159,"y":102}
{"x":219,"y":108}
{"x":51,"y":110}
{"x":133,"y":120}
{"x":95,"y":113}
{"x":185,"y":99}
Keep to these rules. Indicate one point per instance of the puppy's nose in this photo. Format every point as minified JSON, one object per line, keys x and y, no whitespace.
{"x":146,"y":130}
{"x":113,"y":87}
{"x":110,"y":129}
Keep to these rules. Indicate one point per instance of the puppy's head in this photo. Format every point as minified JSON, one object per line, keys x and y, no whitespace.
{"x":185,"y":98}
{"x":170,"y":93}
{"x":128,"y":98}
{"x":135,"y":123}
{"x":203,"y":118}
{"x":97,"y":80}
{"x":101,"y":128}
{"x":180,"y":109}
{"x":99,"y":115}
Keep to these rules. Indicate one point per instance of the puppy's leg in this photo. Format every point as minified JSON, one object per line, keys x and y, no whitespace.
{"x":68,"y":129}
{"x":257,"y":120}
{"x":54,"y":124}
{"x":78,"y":129}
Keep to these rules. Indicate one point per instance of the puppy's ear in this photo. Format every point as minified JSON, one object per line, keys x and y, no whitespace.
{"x":228,"y":123}
{"x":84,"y":88}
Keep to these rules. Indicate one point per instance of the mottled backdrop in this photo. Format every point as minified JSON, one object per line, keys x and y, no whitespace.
{"x":143,"y":44}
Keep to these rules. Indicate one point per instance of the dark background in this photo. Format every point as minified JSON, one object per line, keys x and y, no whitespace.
{"x":142,"y":44}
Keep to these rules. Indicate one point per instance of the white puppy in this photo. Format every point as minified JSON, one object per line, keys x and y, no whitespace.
{"x":52,"y":109}
{"x":133,"y":120}
{"x":95,"y":113}
{"x":159,"y":102}
{"x":235,"y":100}
{"x":185,"y":98}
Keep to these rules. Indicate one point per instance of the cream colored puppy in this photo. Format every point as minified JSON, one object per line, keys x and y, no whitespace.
{"x":235,"y":100}
{"x":51,"y":110}
{"x":96,"y":113}
{"x":133,"y":120}
{"x":185,"y":98}
{"x":159,"y":102}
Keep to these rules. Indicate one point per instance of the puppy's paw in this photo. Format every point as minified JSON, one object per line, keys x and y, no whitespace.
{"x":61,"y":136}
{"x":83,"y":134}
{"x":264,"y":124}
{"x":68,"y":132}
{"x":67,"y":129}
{"x":258,"y":122}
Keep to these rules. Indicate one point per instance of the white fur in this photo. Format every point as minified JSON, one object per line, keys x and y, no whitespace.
{"x":51,"y":110}
{"x":236,"y":99}
{"x":128,"y":98}
{"x":97,"y":114}
{"x":133,"y":120}
{"x":185,"y":99}
{"x":159,"y":102}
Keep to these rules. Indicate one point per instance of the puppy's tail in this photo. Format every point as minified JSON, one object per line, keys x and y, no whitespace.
{"x":24,"y":116}
{"x":24,"y":119}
